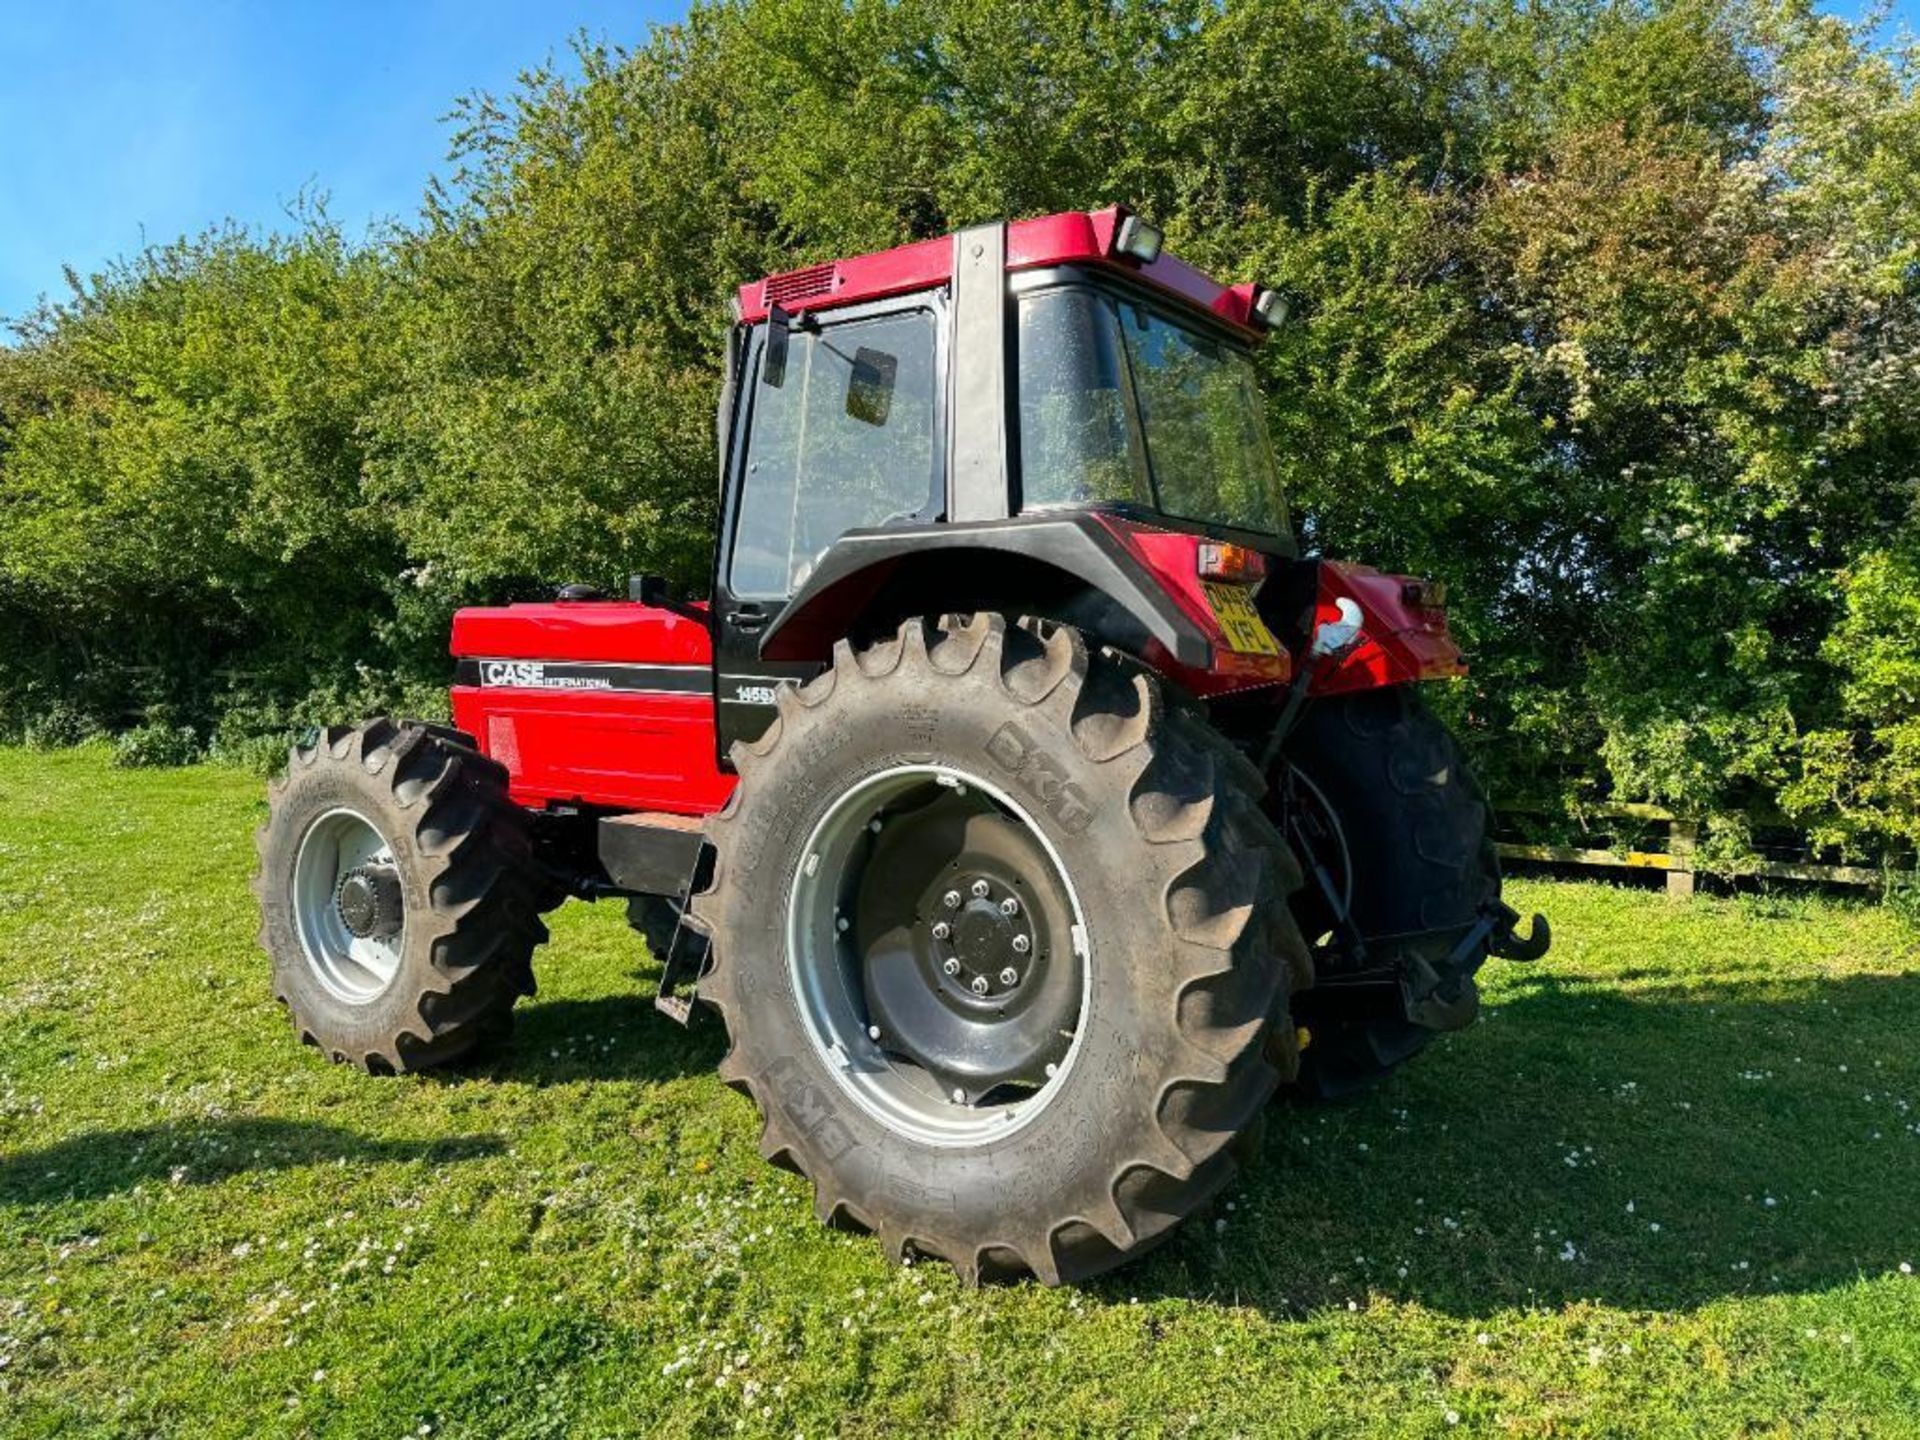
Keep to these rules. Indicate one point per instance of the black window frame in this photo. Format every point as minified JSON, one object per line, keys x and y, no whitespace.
{"x":933,"y":303}
{"x":1120,"y":290}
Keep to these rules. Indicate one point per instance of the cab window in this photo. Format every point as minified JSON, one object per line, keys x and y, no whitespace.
{"x":842,"y":438}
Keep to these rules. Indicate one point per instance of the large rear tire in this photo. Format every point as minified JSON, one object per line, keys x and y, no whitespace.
{"x":399,"y":901}
{"x":1409,"y":851}
{"x":912,"y":817}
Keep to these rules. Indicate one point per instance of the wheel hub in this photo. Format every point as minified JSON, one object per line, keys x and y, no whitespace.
{"x":957,"y":921}
{"x":990,"y":938}
{"x":369,"y":902}
{"x":349,"y":910}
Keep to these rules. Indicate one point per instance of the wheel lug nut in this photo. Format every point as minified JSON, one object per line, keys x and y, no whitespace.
{"x":959,"y":1096}
{"x":951,"y":966}
{"x":1021,"y":944}
{"x":1009,"y":906}
{"x":979,"y":984}
{"x":841,"y":924}
{"x":980,"y":889}
{"x":1009,"y":976}
{"x":951,"y":900}
{"x":941,"y":929}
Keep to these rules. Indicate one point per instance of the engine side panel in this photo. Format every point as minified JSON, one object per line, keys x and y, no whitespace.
{"x":603,"y":703}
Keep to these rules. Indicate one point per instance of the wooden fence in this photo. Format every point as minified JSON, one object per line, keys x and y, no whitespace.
{"x":1677,"y":860}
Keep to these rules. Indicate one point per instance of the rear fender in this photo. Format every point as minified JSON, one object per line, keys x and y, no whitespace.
{"x":1070,"y":567}
{"x":1129,"y":585}
{"x":1403,"y":639}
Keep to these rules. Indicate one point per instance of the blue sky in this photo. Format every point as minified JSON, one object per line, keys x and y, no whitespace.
{"x":124,"y":123}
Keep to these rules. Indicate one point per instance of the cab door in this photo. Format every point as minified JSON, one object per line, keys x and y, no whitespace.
{"x":846,"y":432}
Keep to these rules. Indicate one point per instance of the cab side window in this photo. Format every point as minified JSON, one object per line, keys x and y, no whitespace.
{"x":843,"y":437}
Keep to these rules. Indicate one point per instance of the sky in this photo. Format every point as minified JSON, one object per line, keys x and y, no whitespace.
{"x":123,"y":123}
{"x":127,"y":123}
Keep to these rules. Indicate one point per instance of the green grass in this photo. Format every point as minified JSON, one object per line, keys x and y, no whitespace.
{"x":1665,"y":1187}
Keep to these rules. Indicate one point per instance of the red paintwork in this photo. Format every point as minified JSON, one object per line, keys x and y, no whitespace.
{"x":1086,"y":238}
{"x":621,"y":750}
{"x":1401,"y":645}
{"x":624,"y":750}
{"x":1174,"y":559}
{"x":1075,"y":238}
{"x":581,"y":630}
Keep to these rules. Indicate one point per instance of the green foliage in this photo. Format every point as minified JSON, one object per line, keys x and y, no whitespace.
{"x":156,"y":744}
{"x":1609,"y":314}
{"x":57,"y":727}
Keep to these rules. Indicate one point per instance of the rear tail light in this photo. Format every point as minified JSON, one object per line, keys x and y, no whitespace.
{"x":1221,"y":561}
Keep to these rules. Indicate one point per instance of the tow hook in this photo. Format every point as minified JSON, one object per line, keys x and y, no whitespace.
{"x":1494,"y":931}
{"x":1505,"y":940}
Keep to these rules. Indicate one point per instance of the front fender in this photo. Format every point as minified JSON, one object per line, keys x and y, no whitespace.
{"x":1403,"y":640}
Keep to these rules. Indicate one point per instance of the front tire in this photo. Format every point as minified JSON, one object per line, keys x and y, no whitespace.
{"x":397,"y":895}
{"x":1059,"y":791}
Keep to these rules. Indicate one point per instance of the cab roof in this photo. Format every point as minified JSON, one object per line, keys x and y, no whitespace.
{"x":1074,"y":237}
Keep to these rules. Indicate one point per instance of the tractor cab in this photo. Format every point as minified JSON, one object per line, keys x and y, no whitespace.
{"x":1053,"y":417}
{"x":1057,"y":405}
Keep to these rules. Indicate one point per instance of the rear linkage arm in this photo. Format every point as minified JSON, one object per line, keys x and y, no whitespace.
{"x":1495,"y":928}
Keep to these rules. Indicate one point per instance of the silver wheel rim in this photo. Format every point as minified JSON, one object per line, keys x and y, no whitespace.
{"x":828,"y":989}
{"x":354,"y":968}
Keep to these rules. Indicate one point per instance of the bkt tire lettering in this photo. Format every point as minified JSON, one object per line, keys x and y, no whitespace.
{"x":1016,"y":752}
{"x":810,"y":1109}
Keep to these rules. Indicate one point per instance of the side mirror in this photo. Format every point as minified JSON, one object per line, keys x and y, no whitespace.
{"x":870,"y":386}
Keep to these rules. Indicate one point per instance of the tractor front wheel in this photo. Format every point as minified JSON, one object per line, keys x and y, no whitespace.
{"x":997,"y":944}
{"x":399,"y":900}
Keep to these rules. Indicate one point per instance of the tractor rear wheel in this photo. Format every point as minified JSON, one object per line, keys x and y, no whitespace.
{"x":1396,"y":817}
{"x":399,"y":901}
{"x":997,"y":946}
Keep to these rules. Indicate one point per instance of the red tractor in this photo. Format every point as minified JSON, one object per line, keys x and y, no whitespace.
{"x":1027,"y":806}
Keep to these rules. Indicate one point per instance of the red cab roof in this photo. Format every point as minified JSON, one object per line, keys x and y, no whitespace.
{"x":1077,"y":237}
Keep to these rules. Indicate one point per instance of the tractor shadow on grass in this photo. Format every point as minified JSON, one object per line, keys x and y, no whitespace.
{"x":612,"y":1037}
{"x":105,"y":1162}
{"x":1657,"y":1150}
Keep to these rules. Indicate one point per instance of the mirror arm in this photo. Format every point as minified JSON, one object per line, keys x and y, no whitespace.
{"x":653,"y":590}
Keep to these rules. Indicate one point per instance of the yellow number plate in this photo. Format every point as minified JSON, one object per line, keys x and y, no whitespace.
{"x":1246,"y":632}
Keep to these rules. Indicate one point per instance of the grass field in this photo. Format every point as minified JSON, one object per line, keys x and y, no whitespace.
{"x":1670,"y":1185}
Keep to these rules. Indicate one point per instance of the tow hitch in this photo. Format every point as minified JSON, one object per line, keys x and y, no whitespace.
{"x":1445,"y":997}
{"x":1505,"y":940}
